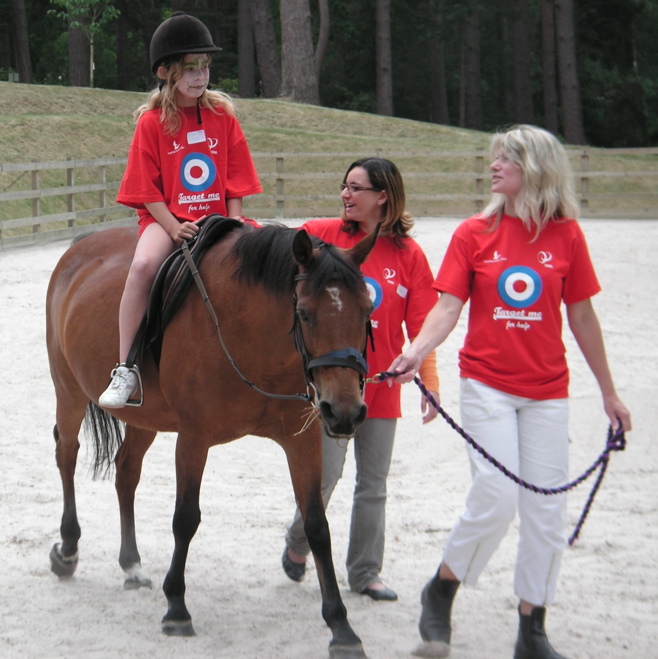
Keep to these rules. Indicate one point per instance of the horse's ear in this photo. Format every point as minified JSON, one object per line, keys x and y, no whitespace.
{"x":302,"y":248}
{"x":361,"y":250}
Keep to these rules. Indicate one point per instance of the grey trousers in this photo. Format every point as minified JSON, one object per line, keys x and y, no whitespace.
{"x":373,"y":449}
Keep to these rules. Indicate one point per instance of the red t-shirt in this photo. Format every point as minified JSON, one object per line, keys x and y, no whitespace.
{"x":400,"y":286}
{"x":516,"y":287}
{"x":194,"y":171}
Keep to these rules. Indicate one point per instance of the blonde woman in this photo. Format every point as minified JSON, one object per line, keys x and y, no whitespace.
{"x":188,"y":159}
{"x":516,"y":262}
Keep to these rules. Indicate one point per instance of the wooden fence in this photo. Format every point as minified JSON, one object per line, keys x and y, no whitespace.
{"x":43,"y":201}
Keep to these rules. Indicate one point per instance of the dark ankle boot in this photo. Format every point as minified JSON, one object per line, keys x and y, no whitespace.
{"x":436,"y":600}
{"x":532,"y":643}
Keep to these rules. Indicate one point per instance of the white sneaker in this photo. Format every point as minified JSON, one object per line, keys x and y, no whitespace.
{"x":122,"y":387}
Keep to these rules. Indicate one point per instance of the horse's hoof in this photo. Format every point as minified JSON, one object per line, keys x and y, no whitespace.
{"x":337,"y":651}
{"x":134,"y":583}
{"x":432,"y":649}
{"x":62,"y":566}
{"x":178,"y":628}
{"x":136,"y":578}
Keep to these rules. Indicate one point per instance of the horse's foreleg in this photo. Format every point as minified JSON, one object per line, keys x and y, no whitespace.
{"x":128,"y":471}
{"x":304,"y":460}
{"x":190,"y":463}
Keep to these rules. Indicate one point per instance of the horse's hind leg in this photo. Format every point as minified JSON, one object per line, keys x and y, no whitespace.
{"x":305,"y":462}
{"x":129,"y":461}
{"x":69,"y":416}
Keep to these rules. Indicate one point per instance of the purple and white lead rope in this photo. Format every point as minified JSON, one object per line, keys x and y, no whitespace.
{"x":616,"y":441}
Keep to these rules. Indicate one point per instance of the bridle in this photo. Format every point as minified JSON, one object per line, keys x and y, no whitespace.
{"x":347,"y":358}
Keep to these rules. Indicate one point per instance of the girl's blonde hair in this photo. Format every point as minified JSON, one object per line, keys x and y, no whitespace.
{"x":547,"y":192}
{"x":385,"y":176}
{"x":164,"y":97}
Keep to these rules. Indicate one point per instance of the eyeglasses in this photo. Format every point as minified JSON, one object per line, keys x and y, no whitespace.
{"x":353,"y":189}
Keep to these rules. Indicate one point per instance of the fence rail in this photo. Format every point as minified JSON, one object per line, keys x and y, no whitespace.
{"x":42,"y":201}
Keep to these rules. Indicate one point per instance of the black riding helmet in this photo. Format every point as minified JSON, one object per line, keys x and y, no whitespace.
{"x":179,"y":35}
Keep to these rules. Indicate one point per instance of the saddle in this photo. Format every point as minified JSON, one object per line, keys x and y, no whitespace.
{"x":172,"y":284}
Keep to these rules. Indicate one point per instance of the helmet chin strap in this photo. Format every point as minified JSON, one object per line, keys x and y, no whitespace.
{"x":198,"y":111}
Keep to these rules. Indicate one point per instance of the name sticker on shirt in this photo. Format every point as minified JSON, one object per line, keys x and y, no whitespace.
{"x":196,"y":136}
{"x":401,"y":291}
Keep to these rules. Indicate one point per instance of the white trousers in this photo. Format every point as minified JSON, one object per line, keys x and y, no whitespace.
{"x":530,"y":438}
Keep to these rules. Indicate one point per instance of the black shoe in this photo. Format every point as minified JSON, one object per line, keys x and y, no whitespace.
{"x":295,"y":571}
{"x":532,"y":642}
{"x":384,"y":595}
{"x":436,"y":601}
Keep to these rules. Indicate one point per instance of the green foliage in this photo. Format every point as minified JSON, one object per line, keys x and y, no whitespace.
{"x":228,"y":86}
{"x":88,"y":15}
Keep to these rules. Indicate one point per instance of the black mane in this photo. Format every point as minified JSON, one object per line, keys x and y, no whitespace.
{"x":265,"y":258}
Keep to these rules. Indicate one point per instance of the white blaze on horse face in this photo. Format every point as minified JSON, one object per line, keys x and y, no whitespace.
{"x":334,"y":294}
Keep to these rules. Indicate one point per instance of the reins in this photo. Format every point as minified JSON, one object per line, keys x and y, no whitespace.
{"x":615,"y":441}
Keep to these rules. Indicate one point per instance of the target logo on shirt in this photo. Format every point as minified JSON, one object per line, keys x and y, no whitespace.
{"x":197,"y":172}
{"x":375,"y":291}
{"x":519,"y":286}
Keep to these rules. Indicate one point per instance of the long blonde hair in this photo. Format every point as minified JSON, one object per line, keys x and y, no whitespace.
{"x":164,"y":97}
{"x":547,"y":191}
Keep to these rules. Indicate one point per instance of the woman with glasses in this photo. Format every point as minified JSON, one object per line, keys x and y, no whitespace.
{"x":400,"y":282}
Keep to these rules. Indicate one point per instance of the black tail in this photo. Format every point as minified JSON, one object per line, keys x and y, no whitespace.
{"x":107,"y":434}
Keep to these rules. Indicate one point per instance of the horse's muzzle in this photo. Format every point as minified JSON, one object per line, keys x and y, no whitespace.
{"x":340,"y":422}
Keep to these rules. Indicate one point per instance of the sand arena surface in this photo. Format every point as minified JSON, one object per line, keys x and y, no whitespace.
{"x":242,"y":604}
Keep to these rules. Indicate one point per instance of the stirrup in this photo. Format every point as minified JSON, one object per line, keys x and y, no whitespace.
{"x":135,"y":402}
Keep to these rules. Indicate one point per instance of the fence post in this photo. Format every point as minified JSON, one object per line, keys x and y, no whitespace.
{"x":36,"y":201}
{"x":584,"y":180}
{"x":280,"y":189}
{"x":479,"y":179}
{"x":102,"y":194}
{"x":70,"y":198}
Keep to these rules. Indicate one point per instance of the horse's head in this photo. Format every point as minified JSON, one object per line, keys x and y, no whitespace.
{"x":332,"y":326}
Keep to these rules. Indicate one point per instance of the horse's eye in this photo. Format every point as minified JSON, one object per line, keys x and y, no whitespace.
{"x":303,"y":316}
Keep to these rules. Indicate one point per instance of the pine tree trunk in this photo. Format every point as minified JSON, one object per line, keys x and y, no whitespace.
{"x":323,"y":37}
{"x":549,"y":76}
{"x":437,"y":81}
{"x":523,"y":105}
{"x":384,"y":64}
{"x":78,"y":57}
{"x":298,"y":80}
{"x":267,"y":52}
{"x":21,"y":46}
{"x":246,"y":69}
{"x":123,"y":70}
{"x":473,"y":90}
{"x":572,"y":113}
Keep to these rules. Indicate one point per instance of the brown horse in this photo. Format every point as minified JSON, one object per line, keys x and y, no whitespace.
{"x":213,"y":389}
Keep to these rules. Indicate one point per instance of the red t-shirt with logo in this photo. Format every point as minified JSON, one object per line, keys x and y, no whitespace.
{"x":194,"y":171}
{"x":400,"y":284}
{"x":516,"y":287}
